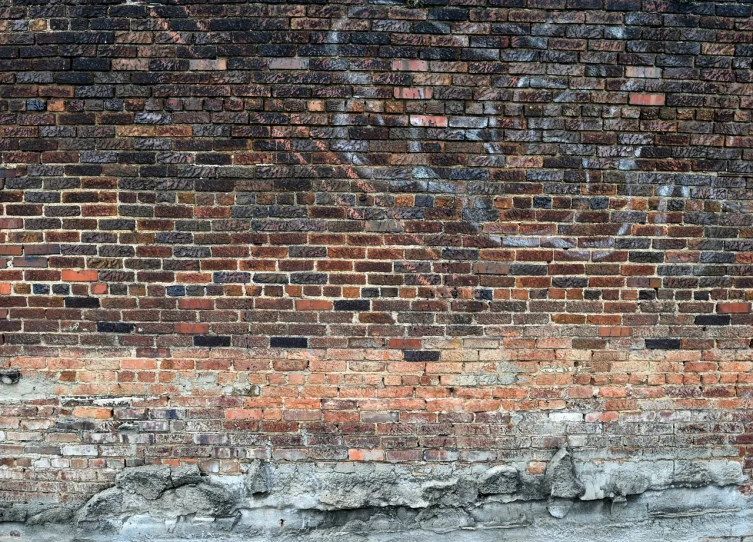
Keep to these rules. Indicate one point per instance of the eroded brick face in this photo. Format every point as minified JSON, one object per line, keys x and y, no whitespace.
{"x":470,"y":231}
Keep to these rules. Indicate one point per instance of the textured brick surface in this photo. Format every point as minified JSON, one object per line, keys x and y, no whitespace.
{"x":370,"y":232}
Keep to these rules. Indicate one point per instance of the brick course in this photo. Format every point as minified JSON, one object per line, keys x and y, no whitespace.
{"x":369,"y":232}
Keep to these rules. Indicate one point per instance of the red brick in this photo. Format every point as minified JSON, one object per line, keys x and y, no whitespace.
{"x":193,"y":329}
{"x":97,"y":289}
{"x":615,"y":332}
{"x":196,"y":304}
{"x":726,"y":308}
{"x":407,"y":344}
{"x":11,"y":223}
{"x":553,"y":267}
{"x":70,"y":275}
{"x":313,"y":305}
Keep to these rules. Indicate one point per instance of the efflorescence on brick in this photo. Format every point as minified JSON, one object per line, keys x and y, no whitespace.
{"x":361,"y":231}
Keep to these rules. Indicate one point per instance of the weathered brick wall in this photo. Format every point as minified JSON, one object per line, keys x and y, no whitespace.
{"x":469,"y":231}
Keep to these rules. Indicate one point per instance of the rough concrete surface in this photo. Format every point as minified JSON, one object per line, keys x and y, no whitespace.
{"x":575,"y":500}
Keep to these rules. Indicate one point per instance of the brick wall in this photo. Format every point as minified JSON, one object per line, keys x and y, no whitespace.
{"x":470,"y":231}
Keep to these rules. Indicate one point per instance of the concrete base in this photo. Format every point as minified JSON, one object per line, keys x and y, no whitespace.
{"x":572,"y":500}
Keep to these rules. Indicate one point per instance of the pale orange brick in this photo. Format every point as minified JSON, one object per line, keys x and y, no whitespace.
{"x":243,"y":414}
{"x":315,"y":106}
{"x":288,"y":63}
{"x":139,"y":364}
{"x":646,"y":99}
{"x":428,"y":121}
{"x":536,"y":467}
{"x":739,"y":141}
{"x":410,"y":65}
{"x":601,"y":417}
{"x":173,"y":131}
{"x":130,"y":64}
{"x":56,"y":105}
{"x":413,"y":93}
{"x":642,"y":71}
{"x":365,"y":455}
{"x":203,"y":64}
{"x":92,"y":412}
{"x":524,"y":161}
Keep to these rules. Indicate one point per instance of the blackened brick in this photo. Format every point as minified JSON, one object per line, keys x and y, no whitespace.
{"x":421,"y":355}
{"x":352,"y":305}
{"x":288,"y":342}
{"x":712,"y":320}
{"x":664,"y":344}
{"x":82,"y":302}
{"x":225,"y":277}
{"x":211,"y":340}
{"x":115,"y":327}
